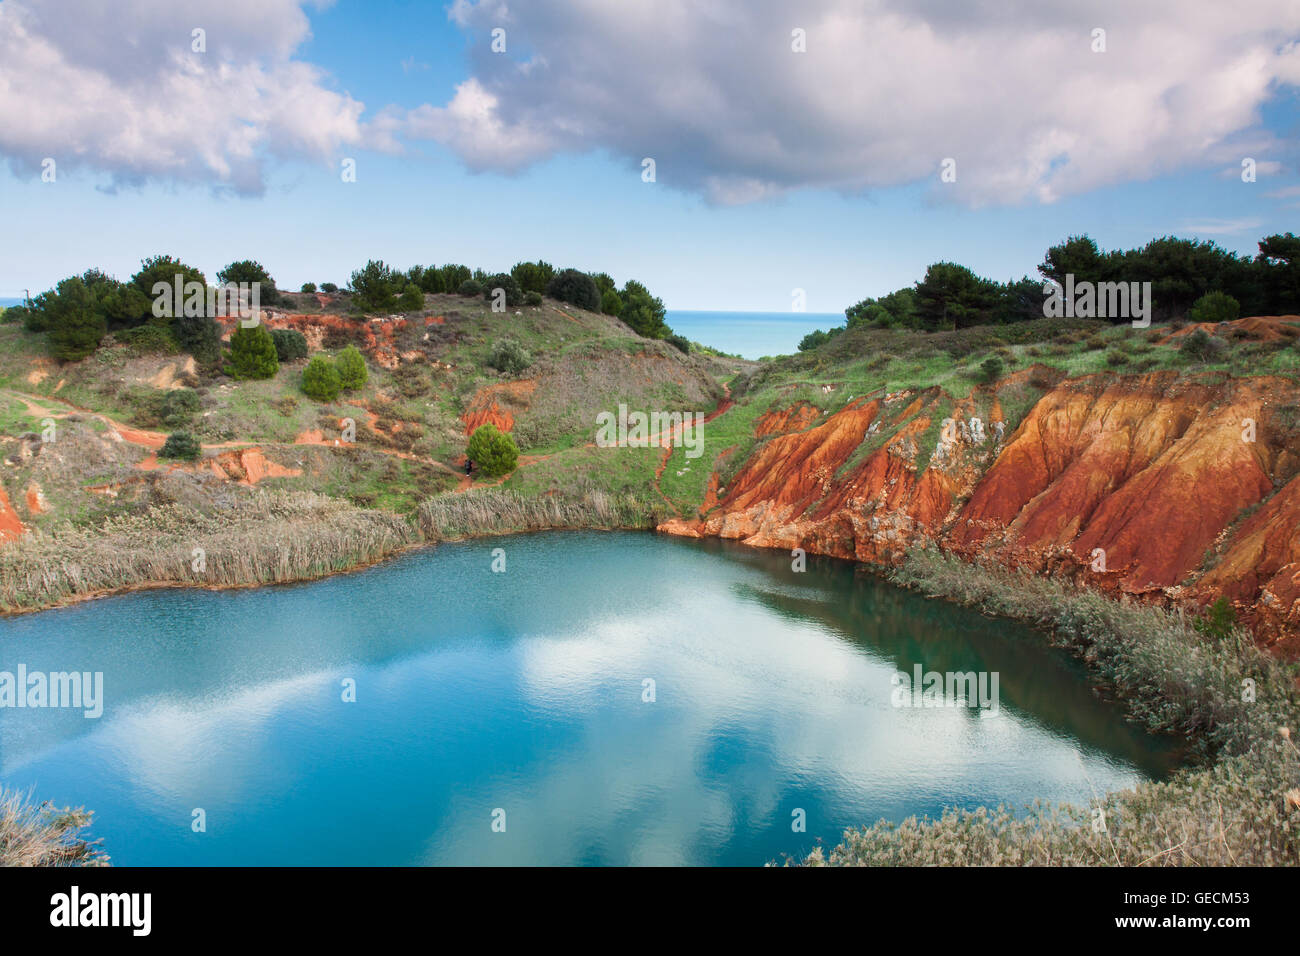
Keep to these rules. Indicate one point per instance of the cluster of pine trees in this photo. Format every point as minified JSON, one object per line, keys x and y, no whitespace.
{"x":1182,"y":272}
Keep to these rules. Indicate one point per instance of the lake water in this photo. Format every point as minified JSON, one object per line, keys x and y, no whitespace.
{"x":750,"y":335}
{"x":524,"y":692}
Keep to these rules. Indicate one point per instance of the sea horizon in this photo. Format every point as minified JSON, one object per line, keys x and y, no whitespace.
{"x":751,"y":335}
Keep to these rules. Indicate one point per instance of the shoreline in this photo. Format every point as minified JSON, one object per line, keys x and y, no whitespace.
{"x":402,"y":551}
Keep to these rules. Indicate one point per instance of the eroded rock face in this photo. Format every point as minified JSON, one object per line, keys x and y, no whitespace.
{"x":1135,"y":484}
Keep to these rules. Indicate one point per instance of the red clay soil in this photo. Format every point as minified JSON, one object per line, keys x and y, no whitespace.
{"x":11,"y":526}
{"x":35,"y":499}
{"x":1260,"y":567}
{"x":1258,"y":328}
{"x":793,"y":419}
{"x":1152,"y":471}
{"x":484,"y":409}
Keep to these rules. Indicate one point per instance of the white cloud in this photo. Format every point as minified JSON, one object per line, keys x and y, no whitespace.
{"x":117,"y":88}
{"x":885,"y":90}
{"x":710,"y":89}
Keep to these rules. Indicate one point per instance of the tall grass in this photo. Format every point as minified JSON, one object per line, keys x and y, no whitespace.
{"x":1239,"y":802}
{"x":487,"y":511}
{"x":44,"y":836}
{"x":270,"y":537}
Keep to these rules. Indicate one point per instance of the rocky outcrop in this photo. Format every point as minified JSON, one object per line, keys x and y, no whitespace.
{"x":1143,"y":485}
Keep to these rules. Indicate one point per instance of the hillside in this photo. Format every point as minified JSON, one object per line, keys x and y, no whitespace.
{"x":1177,"y":484}
{"x":1095,"y":453}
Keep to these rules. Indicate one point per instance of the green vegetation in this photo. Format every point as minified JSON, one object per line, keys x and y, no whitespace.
{"x":642,"y":312}
{"x":576,"y":288}
{"x":200,"y":336}
{"x":251,"y":272}
{"x":1184,"y":274}
{"x":511,"y":291}
{"x":493,"y":452}
{"x":1200,"y":346}
{"x":375,"y":288}
{"x":290,"y":345}
{"x":509,"y":356}
{"x":181,"y":445}
{"x":1214,"y":307}
{"x":75,"y":326}
{"x":353,"y":373}
{"x":321,"y":379}
{"x":168,"y":408}
{"x":308,"y":287}
{"x":533,"y":276}
{"x":252,"y":353}
{"x":991,"y":369}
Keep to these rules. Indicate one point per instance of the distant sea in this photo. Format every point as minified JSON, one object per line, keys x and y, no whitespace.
{"x":750,"y":334}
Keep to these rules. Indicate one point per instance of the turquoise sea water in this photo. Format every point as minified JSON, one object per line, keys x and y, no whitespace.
{"x":750,"y":334}
{"x":526,"y":692}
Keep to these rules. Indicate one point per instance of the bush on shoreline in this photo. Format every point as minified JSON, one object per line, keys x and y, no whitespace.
{"x":45,"y":836}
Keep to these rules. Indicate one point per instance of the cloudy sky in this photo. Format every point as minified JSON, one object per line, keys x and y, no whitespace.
{"x":795,"y":145}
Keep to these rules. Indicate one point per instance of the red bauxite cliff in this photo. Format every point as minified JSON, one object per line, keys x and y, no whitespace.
{"x":1148,"y":485}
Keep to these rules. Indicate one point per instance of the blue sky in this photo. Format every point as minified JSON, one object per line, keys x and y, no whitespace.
{"x":563,"y":181}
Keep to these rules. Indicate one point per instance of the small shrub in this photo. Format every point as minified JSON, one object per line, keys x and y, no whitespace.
{"x":320,"y":379}
{"x":510,"y":357}
{"x":1214,"y":307}
{"x":148,"y":339}
{"x":353,"y":373}
{"x":533,"y":298}
{"x":514,"y":295}
{"x":329,"y":287}
{"x":680,"y":342}
{"x":1200,"y":346}
{"x":308,"y":287}
{"x":493,"y":451}
{"x":411,"y":381}
{"x":177,"y":407}
{"x":290,"y":344}
{"x":991,"y":369}
{"x":1219,"y":620}
{"x":181,"y":445}
{"x":411,"y":299}
{"x":200,"y":336}
{"x":252,"y":353}
{"x":1115,"y":358}
{"x":470,"y":289}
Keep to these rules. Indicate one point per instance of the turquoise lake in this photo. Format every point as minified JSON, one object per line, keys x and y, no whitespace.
{"x":525,"y":692}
